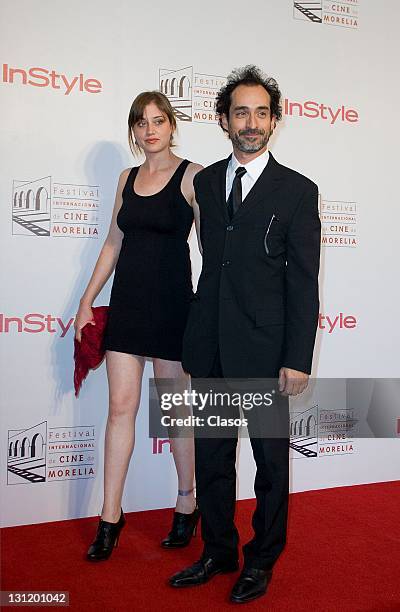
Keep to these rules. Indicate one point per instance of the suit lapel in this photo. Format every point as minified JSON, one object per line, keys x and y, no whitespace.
{"x":268,"y":181}
{"x":219,"y":186}
{"x":266,"y":184}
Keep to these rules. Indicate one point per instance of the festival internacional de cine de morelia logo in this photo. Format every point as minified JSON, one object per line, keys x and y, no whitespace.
{"x":343,"y":14}
{"x":42,"y":207}
{"x":39,"y":453}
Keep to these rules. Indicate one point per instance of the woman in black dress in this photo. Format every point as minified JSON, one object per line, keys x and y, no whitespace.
{"x":147,"y":246}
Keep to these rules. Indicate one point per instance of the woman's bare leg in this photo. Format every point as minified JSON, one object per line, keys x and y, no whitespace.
{"x":124,"y":374}
{"x":182,"y":448}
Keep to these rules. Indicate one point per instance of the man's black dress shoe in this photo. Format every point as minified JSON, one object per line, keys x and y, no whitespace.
{"x":252,"y":583}
{"x":202,"y":571}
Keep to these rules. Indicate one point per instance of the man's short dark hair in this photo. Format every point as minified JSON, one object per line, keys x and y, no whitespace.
{"x":249,"y":75}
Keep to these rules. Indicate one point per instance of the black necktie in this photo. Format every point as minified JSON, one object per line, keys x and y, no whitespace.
{"x":235,"y":196}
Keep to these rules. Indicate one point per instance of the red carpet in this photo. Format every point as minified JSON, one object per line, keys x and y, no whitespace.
{"x":342,"y":554}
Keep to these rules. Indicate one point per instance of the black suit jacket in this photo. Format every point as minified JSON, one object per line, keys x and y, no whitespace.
{"x":257,"y":296}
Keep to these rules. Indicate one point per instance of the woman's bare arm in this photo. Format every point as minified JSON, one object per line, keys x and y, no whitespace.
{"x":105,"y":264}
{"x":188,"y":191}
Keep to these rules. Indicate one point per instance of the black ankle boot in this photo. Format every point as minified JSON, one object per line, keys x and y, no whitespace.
{"x":106,"y":539}
{"x":184,"y":526}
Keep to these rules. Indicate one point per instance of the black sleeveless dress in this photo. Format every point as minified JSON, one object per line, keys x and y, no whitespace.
{"x":152,"y":285}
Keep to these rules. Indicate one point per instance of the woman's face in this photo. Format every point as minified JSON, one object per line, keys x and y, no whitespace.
{"x":153,"y":132}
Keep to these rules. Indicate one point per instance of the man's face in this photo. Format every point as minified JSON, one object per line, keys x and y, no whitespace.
{"x":250,"y":123}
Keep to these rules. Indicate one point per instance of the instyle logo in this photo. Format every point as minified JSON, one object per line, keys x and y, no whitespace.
{"x":316,"y":110}
{"x":42,"y":77}
{"x":158,"y":446}
{"x":35,"y":323}
{"x":331,"y":323}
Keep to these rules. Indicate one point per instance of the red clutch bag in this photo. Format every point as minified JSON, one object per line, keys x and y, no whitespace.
{"x":89,"y":352}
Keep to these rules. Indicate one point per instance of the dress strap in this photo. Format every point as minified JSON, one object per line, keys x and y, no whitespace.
{"x":180,"y":171}
{"x":131,"y":178}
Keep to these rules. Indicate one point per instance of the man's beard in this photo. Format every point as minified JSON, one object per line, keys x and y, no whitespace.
{"x":248,"y":146}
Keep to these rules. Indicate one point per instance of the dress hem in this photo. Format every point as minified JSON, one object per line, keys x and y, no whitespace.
{"x":150,"y":354}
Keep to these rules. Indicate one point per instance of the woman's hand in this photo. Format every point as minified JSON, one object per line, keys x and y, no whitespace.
{"x":82,"y":318}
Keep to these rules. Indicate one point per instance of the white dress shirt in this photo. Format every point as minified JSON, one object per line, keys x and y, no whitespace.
{"x":253,"y":170}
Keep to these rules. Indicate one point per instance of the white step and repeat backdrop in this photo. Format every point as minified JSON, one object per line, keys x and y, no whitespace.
{"x":69,"y":72}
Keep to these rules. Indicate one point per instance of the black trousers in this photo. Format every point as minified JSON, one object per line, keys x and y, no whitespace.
{"x":216,"y":495}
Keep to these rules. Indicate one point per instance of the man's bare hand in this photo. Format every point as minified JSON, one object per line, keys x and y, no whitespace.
{"x":292,"y":382}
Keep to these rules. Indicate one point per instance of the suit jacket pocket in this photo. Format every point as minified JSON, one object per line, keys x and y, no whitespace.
{"x":273,"y":239}
{"x":268,"y":316}
{"x":274,"y":245}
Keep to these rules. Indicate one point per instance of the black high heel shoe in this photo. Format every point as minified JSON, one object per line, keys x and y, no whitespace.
{"x":107,"y":538}
{"x":184,"y":526}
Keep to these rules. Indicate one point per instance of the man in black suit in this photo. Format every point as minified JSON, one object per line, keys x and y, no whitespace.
{"x":254,"y":315}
